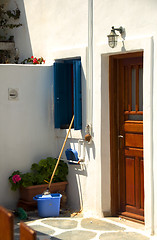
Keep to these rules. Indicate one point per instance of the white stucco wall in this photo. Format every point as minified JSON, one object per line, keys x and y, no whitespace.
{"x":58,"y":29}
{"x":48,"y":26}
{"x":26,"y":124}
{"x":140,"y":35}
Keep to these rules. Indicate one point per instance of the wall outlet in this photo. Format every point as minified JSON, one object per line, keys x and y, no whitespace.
{"x":13,"y":94}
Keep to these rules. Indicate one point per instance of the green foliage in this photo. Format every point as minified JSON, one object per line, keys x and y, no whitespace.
{"x":21,"y":214}
{"x":40,"y":172}
{"x":5,"y":16}
{"x":44,"y":169}
{"x":15,"y":14}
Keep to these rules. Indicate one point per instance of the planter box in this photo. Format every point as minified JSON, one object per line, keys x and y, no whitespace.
{"x":27,"y":193}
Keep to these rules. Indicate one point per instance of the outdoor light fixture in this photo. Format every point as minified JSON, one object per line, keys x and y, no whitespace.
{"x":113,"y":37}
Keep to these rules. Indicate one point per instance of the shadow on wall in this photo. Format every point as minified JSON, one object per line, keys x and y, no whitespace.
{"x":21,"y":34}
{"x":77,"y":173}
{"x":90,"y":148}
{"x":105,"y":135}
{"x":75,"y":192}
{"x":76,"y":178}
{"x":25,"y":49}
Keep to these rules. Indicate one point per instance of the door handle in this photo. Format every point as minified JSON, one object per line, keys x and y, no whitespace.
{"x":120,"y":136}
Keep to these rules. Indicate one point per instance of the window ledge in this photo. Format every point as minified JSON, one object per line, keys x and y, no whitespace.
{"x":74,"y":134}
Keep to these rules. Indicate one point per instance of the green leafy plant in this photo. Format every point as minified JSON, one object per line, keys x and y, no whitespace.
{"x":6,"y":15}
{"x":39,"y":173}
{"x":8,"y":21}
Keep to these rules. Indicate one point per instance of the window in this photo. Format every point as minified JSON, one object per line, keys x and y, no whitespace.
{"x":133,"y":84}
{"x":67,"y":93}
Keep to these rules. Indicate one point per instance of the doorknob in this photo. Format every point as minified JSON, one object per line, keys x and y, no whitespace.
{"x":120,"y":136}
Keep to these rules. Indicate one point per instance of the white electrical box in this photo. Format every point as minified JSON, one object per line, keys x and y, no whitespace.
{"x":13,"y":94}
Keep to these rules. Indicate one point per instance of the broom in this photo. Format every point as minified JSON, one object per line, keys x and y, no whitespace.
{"x":47,"y":191}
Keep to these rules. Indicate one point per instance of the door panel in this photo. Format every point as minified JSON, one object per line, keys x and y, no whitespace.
{"x":126,"y":120}
{"x":133,"y":127}
{"x":134,"y":140}
{"x":142,"y":183}
{"x":131,"y":147}
{"x":130,"y":187}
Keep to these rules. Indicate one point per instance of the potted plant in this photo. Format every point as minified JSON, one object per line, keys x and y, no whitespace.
{"x":34,"y":182}
{"x":33,"y":60}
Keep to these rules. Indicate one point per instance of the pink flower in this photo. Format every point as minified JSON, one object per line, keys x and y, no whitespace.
{"x":16,"y":178}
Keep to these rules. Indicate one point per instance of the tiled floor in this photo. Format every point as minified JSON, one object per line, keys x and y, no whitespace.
{"x":81,"y":228}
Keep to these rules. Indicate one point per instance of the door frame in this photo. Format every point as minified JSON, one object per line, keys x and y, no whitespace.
{"x":114,"y":166}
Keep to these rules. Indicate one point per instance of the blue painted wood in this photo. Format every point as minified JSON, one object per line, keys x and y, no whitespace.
{"x":62,"y":94}
{"x":67,"y":94}
{"x":77,"y":95}
{"x":57,"y":68}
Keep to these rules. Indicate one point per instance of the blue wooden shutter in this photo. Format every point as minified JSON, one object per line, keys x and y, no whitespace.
{"x":77,"y":94}
{"x":62,"y":94}
{"x":56,"y":95}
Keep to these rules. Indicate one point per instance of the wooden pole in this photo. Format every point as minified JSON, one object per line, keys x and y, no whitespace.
{"x":61,"y":153}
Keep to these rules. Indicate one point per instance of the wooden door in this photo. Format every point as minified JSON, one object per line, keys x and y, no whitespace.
{"x":128,"y":107}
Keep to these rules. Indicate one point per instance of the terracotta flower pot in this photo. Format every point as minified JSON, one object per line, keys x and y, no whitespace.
{"x":27,"y":193}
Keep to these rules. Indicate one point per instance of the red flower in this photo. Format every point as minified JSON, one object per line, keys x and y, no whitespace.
{"x":16,"y":178}
{"x":32,"y":57}
{"x":43,"y":61}
{"x":35,"y":61}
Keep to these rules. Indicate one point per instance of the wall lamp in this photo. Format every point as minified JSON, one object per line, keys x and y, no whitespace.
{"x":113,"y":37}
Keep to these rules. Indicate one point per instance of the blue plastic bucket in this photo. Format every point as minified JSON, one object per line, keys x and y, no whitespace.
{"x":48,"y":205}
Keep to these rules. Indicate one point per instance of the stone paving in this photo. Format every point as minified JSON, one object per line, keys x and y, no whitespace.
{"x":80,"y":228}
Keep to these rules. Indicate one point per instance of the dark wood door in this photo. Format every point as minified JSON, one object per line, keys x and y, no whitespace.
{"x":129,"y":134}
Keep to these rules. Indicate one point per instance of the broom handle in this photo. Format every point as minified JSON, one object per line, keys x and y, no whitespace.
{"x":61,"y":152}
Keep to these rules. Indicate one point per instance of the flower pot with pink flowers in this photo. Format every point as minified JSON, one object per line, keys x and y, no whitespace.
{"x":34,"y":181}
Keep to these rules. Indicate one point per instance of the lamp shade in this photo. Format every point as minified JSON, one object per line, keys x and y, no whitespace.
{"x":112,"y":39}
